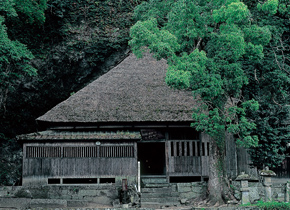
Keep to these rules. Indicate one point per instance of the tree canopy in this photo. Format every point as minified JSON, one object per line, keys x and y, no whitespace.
{"x":228,"y":53}
{"x":14,"y":56}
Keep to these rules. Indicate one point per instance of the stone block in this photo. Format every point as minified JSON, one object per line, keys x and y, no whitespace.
{"x":14,"y":203}
{"x":104,"y":200}
{"x":77,"y":203}
{"x":189,"y":195}
{"x":199,"y":184}
{"x":198,"y":189}
{"x":182,"y":187}
{"x":184,"y":184}
{"x":88,"y":193}
{"x":254,"y":194}
{"x":23,"y":193}
{"x":48,"y":203}
{"x":173,"y":187}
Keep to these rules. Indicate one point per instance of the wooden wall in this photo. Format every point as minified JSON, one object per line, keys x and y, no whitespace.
{"x":188,"y":157}
{"x":84,"y":163}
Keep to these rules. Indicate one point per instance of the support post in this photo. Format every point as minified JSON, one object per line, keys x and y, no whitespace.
{"x":139,"y":178}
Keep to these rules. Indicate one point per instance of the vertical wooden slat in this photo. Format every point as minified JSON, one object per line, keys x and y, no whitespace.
{"x":185,"y":148}
{"x":190,"y":148}
{"x":207,"y":148}
{"x":180,"y":148}
{"x":196,"y":148}
{"x":175,"y":148}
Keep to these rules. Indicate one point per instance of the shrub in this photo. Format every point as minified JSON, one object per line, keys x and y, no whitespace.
{"x":274,"y":205}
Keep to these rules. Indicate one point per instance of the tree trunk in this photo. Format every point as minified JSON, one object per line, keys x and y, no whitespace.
{"x":218,"y":186}
{"x":215,"y":182}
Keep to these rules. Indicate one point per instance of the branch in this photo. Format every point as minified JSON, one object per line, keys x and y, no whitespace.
{"x":282,"y":69}
{"x":275,"y":102}
{"x":198,"y":43}
{"x":256,"y":75}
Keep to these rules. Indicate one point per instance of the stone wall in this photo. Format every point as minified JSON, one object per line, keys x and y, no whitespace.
{"x":108,"y":194}
{"x":257,"y":191}
{"x":101,"y":194}
{"x":191,"y":190}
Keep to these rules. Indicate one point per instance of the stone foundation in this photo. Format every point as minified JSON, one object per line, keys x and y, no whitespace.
{"x":108,"y":194}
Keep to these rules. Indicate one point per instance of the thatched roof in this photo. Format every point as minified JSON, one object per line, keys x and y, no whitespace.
{"x":62,"y":135}
{"x":133,"y":91}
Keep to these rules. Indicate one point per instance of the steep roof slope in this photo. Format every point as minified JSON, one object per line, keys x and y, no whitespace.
{"x":133,"y":91}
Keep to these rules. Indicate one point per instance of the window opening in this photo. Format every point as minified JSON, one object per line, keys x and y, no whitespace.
{"x":80,"y":181}
{"x":107,"y":180}
{"x":116,"y":151}
{"x":189,"y":148}
{"x":53,"y":181}
{"x":80,"y":152}
{"x":43,"y":152}
{"x":184,"y":179}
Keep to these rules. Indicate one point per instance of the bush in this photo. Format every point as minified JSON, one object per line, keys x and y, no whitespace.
{"x":273,"y":206}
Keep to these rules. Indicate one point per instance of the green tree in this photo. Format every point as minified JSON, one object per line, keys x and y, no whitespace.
{"x":14,"y":56}
{"x":209,"y":46}
{"x":269,"y":85}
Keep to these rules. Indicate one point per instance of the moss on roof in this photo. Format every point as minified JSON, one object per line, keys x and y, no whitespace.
{"x":63,"y":135}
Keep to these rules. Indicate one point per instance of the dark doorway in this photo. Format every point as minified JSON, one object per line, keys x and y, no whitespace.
{"x":152,"y":158}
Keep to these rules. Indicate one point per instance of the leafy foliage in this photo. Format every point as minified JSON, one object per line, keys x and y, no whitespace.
{"x":233,"y":55}
{"x":204,"y":50}
{"x":269,"y":85}
{"x":273,"y":205}
{"x":14,"y":56}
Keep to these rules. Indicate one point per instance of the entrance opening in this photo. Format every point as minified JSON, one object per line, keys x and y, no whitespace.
{"x":152,"y":158}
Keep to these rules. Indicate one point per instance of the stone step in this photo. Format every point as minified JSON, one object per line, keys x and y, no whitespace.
{"x":157,"y":205}
{"x":77,"y":203}
{"x":156,"y":190}
{"x":154,"y":180}
{"x":74,"y":208}
{"x":161,"y":200}
{"x":160,"y":195}
{"x":156,"y":185}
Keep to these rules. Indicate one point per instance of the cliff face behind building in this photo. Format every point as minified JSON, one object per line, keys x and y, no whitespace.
{"x":79,"y":41}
